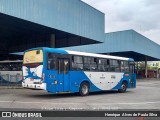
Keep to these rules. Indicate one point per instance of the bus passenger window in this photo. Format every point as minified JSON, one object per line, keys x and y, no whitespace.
{"x":124,"y":66}
{"x":114,"y":66}
{"x":77,"y":63}
{"x":87,"y":63}
{"x":51,"y":61}
{"x":90,"y":64}
{"x":103,"y":65}
{"x":93,"y":64}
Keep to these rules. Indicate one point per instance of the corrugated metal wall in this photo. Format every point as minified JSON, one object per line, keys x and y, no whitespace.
{"x":114,"y":42}
{"x":118,"y":41}
{"x":123,"y":41}
{"x":72,"y":16}
{"x":145,"y":45}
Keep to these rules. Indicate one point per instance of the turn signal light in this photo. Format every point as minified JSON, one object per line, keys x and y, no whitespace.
{"x":126,"y":74}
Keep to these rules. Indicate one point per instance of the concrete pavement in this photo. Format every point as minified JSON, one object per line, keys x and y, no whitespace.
{"x":145,"y":96}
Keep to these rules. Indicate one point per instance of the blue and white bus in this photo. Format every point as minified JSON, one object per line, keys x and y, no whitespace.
{"x":65,"y":71}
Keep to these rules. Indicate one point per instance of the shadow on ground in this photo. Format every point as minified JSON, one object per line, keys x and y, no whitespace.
{"x":70,"y":95}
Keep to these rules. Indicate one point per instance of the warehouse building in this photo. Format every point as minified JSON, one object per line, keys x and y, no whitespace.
{"x":126,"y":43}
{"x":26,"y":24}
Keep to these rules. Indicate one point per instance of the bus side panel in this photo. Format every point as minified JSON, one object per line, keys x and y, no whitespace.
{"x":133,"y":85}
{"x":111,"y":80}
{"x":95,"y":79}
{"x":105,"y":80}
{"x":99,"y":81}
{"x":50,"y":77}
{"x":131,"y":81}
{"x":76,"y":78}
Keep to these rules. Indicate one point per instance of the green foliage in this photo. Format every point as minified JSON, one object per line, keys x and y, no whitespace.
{"x":154,"y":66}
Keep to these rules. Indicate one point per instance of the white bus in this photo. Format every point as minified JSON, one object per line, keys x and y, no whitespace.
{"x":10,"y":71}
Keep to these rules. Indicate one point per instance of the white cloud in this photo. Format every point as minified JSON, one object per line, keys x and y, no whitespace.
{"x":140,"y":15}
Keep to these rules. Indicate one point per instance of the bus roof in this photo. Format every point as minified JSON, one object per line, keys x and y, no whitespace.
{"x":58,"y":50}
{"x":99,"y":55}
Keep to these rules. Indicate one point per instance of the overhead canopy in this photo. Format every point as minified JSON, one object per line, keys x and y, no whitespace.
{"x":20,"y":35}
{"x":127,"y":43}
{"x":136,"y":56}
{"x":29,"y":24}
{"x":70,"y":16}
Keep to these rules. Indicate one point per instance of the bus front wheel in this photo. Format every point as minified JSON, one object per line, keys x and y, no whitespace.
{"x":123,"y":87}
{"x":84,"y":89}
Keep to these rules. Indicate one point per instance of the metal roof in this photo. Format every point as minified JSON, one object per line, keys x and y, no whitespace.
{"x":71,"y":16}
{"x":97,"y":55}
{"x":128,"y":43}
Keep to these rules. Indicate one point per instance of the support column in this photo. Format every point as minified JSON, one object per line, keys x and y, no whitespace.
{"x":137,"y":68}
{"x":52,"y":41}
{"x":146,"y":66}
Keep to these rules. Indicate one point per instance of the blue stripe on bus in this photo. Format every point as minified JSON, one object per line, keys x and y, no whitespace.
{"x":76,"y":78}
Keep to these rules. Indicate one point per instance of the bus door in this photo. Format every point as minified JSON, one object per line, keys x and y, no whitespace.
{"x":63,"y":74}
{"x":132,"y":74}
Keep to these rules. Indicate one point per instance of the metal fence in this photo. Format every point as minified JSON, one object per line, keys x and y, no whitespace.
{"x":10,"y":79}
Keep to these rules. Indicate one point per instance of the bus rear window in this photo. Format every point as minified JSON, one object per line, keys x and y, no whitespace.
{"x":34,"y":56}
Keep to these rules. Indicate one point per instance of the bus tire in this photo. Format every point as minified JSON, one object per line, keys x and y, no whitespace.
{"x":84,"y":89}
{"x":123,"y":87}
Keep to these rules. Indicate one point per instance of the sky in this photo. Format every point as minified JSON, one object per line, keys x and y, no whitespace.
{"x":142,"y":16}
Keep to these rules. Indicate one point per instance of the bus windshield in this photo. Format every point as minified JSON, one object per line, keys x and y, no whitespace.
{"x":34,"y":56}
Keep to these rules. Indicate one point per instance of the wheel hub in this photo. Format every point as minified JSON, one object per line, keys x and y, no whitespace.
{"x":84,"y":89}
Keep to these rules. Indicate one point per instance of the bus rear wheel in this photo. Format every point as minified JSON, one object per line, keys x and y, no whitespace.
{"x":84,"y":89}
{"x":123,"y":87}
